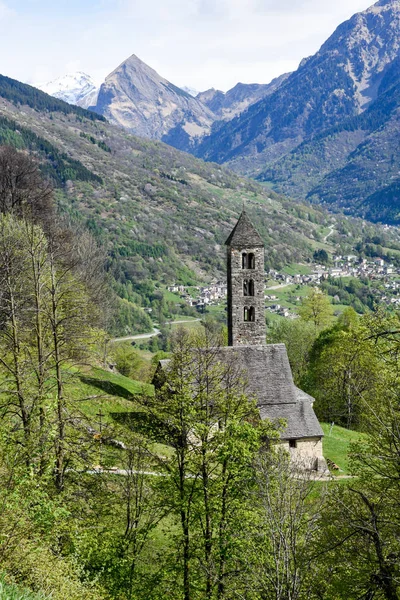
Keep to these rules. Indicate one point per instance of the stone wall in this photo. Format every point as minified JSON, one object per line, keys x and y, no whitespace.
{"x":243,"y":332}
{"x":307,"y":454}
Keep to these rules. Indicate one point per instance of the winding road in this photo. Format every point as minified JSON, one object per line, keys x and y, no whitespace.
{"x":146,"y":336}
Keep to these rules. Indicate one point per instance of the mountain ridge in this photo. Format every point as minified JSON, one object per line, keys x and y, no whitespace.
{"x":275,"y":140}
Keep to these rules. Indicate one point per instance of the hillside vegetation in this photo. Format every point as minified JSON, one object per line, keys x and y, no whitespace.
{"x":114,"y":490}
{"x":161,"y":214}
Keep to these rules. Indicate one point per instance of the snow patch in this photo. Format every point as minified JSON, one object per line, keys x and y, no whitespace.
{"x":72,"y":88}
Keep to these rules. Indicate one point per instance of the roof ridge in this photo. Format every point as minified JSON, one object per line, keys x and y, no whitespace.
{"x":244,"y":234}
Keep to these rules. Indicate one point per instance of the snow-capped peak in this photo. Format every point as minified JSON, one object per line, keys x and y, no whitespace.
{"x":190,"y":91}
{"x":72,"y":88}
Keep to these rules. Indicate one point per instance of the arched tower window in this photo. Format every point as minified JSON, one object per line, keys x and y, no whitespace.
{"x":249,"y":314}
{"x":248,"y":260}
{"x":248,"y":287}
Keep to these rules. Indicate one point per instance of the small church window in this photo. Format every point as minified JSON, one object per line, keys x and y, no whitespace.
{"x":292,"y":443}
{"x":248,"y":287}
{"x":249,"y":314}
{"x":248,"y":260}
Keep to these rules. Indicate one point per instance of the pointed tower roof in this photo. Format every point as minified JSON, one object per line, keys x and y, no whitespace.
{"x":244,"y":234}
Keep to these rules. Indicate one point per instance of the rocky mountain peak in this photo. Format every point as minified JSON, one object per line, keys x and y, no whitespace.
{"x":136,"y":97}
{"x":368,"y":42}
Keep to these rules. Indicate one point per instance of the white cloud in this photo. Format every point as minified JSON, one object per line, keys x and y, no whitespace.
{"x":6,"y":12}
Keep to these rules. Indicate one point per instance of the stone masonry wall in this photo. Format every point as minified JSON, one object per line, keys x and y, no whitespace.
{"x":307,"y":454}
{"x":242,"y":332}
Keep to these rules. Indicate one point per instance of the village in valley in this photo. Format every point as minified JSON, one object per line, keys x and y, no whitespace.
{"x":284,"y":289}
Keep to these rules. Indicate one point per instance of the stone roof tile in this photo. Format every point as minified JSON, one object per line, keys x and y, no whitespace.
{"x":244,"y":234}
{"x":269,"y":380}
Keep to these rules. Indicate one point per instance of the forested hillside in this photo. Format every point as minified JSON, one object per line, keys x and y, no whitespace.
{"x":162,"y":216}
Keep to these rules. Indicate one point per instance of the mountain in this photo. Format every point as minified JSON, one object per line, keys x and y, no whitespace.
{"x":135,"y":97}
{"x":190,"y":91}
{"x":355,"y":165}
{"x":161,"y":214}
{"x":74,"y":88}
{"x":309,"y":137}
{"x":226,"y":105}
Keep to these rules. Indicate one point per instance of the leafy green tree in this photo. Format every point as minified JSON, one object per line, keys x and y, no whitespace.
{"x":298,"y":337}
{"x":129,"y":362}
{"x":344,"y":371}
{"x":361,"y":526}
{"x":321,"y":256}
{"x":202,"y":411}
{"x":281,"y":552}
{"x":316,"y":308}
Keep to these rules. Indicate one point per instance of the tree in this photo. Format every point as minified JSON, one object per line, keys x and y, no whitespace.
{"x":281,"y":546}
{"x":201,"y":410}
{"x":298,"y":337}
{"x":316,"y":308}
{"x":47,"y":322}
{"x":24,"y":274}
{"x":321,"y":256}
{"x":361,"y":526}
{"x":344,"y":371}
{"x":23,"y":191}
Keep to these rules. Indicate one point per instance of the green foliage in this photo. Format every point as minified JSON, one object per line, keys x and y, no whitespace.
{"x":100,"y":143}
{"x":201,"y":411}
{"x":12,"y":592}
{"x":321,"y":256}
{"x":58,"y":166}
{"x":344,"y":371}
{"x":129,"y":319}
{"x":129,"y":363}
{"x":316,"y":309}
{"x":298,"y":337}
{"x":351,"y":291}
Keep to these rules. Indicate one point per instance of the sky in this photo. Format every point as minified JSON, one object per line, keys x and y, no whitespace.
{"x":195,"y":43}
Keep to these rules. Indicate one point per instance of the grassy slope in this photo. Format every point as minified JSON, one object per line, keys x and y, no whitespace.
{"x":99,"y":389}
{"x":336,"y":445}
{"x":113,"y":393}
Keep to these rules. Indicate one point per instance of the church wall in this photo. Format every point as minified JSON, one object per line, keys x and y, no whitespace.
{"x":308,"y":453}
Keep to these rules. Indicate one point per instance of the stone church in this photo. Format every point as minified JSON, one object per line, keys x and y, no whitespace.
{"x":266,"y":366}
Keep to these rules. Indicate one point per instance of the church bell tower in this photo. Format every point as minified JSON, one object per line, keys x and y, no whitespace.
{"x":245,"y":270}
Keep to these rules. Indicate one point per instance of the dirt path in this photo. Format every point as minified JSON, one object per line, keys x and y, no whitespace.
{"x":277,"y":287}
{"x":332,"y":229}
